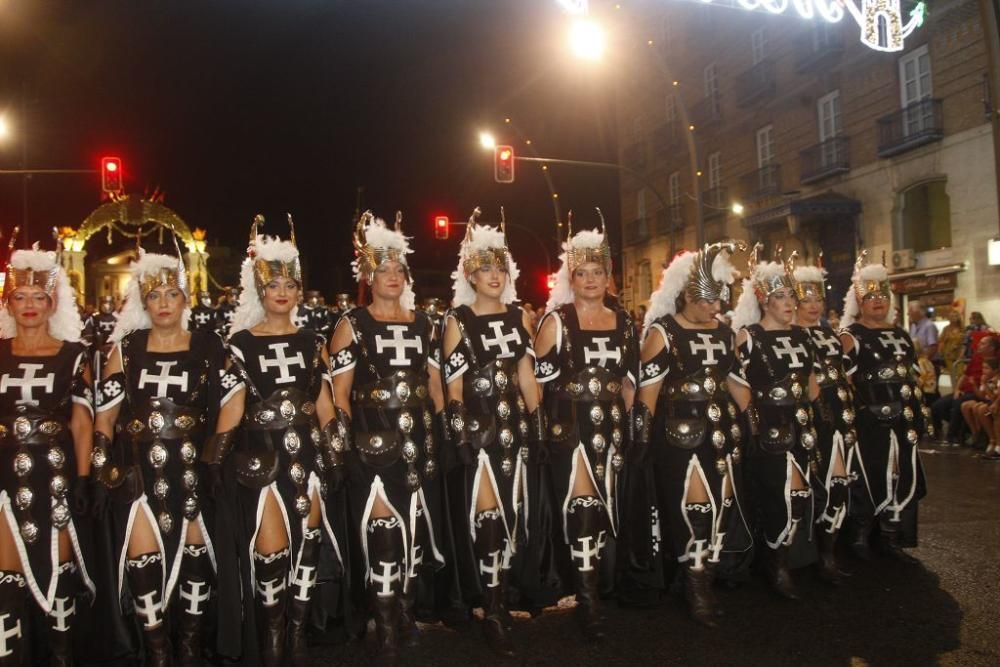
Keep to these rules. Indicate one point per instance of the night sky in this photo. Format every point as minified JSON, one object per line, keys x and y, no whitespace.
{"x":233,"y":108}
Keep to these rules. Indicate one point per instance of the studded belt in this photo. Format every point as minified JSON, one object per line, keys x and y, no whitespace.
{"x":494,"y":380}
{"x":280,"y":410}
{"x":700,"y":387}
{"x":830,"y":376}
{"x":592,"y":384}
{"x":162,"y":418}
{"x":403,"y":389}
{"x":30,"y":428}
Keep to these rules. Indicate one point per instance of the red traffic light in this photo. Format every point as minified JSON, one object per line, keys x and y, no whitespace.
{"x":503,"y":164}
{"x":111,"y":174}
{"x":441,"y":227}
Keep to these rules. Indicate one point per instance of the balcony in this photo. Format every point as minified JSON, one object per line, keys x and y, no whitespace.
{"x":665,"y":138}
{"x":916,"y":125}
{"x":715,"y":202}
{"x":825,"y":159}
{"x":757,"y":83}
{"x":669,"y":220}
{"x":763,"y":183}
{"x":635,"y":156}
{"x":708,"y":111}
{"x":636,"y":231}
{"x":818,"y":49}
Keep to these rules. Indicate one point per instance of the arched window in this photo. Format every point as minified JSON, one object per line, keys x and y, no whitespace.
{"x":926,"y":217}
{"x":882,"y":24}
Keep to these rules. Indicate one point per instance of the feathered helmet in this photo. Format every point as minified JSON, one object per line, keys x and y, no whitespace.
{"x":589,"y":245}
{"x":42,"y":269}
{"x":809,"y":281}
{"x":765,"y":278}
{"x":147,"y":272}
{"x":268,"y":257}
{"x":706,"y":274}
{"x":483,"y":246}
{"x":375,"y":244}
{"x":868,"y":281}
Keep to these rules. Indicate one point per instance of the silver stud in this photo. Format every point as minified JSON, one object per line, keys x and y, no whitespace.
{"x":58,"y":486}
{"x":191,"y":507}
{"x":157,"y":456}
{"x":166,"y":522}
{"x":29,"y":532}
{"x":23,"y":498}
{"x":409,"y":451}
{"x":297,"y":473}
{"x":405,"y":422}
{"x":302,"y":505}
{"x":599,"y":443}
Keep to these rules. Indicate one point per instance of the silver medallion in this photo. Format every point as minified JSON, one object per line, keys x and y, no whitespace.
{"x":912,"y":436}
{"x":905,"y":392}
{"x":296,"y":473}
{"x":842,"y":394}
{"x":22,"y":427}
{"x":736,"y":432}
{"x":834,"y":374}
{"x":901,"y":371}
{"x":506,"y":437}
{"x":596,"y":414}
{"x":850,"y":437}
{"x":908,"y":413}
{"x":156,"y":421}
{"x":718,"y":439}
{"x":796,"y":390}
{"x":507,"y":466}
{"x":157,"y":456}
{"x":428,"y":420}
{"x":405,"y":422}
{"x":166,"y":522}
{"x":885,"y":373}
{"x":254,"y":464}
{"x":848,"y":415}
{"x":430,"y":469}
{"x":599,"y":443}
{"x":49,"y":427}
{"x":777,"y":393}
{"x":56,"y":458}
{"x":29,"y":532}
{"x":191,"y":507}
{"x":409,"y":451}
{"x":918,"y":393}
{"x":99,"y":457}
{"x":594,"y":386}
{"x":616,"y":436}
{"x":161,"y":488}
{"x":721,"y":467}
{"x":264,"y":417}
{"x":731,"y":409}
{"x":481,"y":385}
{"x":808,"y":440}
{"x":190,"y":479}
{"x":801,"y":416}
{"x":58,"y":486}
{"x":402,"y":391}
{"x":501,"y":380}
{"x":503,"y":409}
{"x":457,"y":423}
{"x":710,"y":385}
{"x":617,"y":462}
{"x":188,"y":452}
{"x":714,"y":413}
{"x":23,"y":498}
{"x":316,"y":436}
{"x":302,"y":505}
{"x":885,"y":410}
{"x":376,"y":442}
{"x":522,"y":426}
{"x":599,"y":470}
{"x":413,"y":480}
{"x":616,"y":413}
{"x":683,"y":428}
{"x":286,"y":409}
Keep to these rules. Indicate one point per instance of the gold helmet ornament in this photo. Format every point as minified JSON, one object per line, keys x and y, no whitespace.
{"x":483,"y":246}
{"x":869,"y":281}
{"x":34,"y":267}
{"x":809,"y":281}
{"x":589,"y":245}
{"x":375,"y":244}
{"x":705,"y":274}
{"x":273,"y":258}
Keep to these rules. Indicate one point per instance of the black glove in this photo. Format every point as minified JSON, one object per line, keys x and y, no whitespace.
{"x":458,"y":428}
{"x":640,"y":427}
{"x":538,"y":444}
{"x":215,"y":479}
{"x":80,"y":500}
{"x":336,"y":478}
{"x":99,"y":498}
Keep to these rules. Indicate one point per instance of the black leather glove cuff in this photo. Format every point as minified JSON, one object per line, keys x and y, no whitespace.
{"x":217,"y":447}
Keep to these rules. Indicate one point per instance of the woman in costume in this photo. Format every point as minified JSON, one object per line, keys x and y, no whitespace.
{"x":587,"y":360}
{"x":777,"y":360}
{"x":492,"y":413}
{"x":46,"y":430}
{"x":387,"y":388}
{"x":880,"y":361}
{"x":833,"y":417}
{"x":289,"y":450}
{"x":688,"y":410}
{"x":157,"y":401}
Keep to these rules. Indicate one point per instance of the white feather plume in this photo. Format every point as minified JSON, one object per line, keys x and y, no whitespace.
{"x":133,"y":315}
{"x":380,"y":235}
{"x":674,"y":280}
{"x":852,"y":308}
{"x":809,"y":274}
{"x":484,"y":237}
{"x":64,"y":323}
{"x":562,"y":290}
{"x":250,"y":312}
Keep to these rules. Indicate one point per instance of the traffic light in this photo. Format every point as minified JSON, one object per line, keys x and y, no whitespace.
{"x":503,"y":164}
{"x":111,"y":174}
{"x":441,"y":227}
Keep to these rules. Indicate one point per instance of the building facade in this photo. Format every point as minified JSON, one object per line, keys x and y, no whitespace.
{"x":826,"y":145}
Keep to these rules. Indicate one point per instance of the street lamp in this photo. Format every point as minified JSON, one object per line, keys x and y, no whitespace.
{"x":737,"y":208}
{"x":587,"y":39}
{"x":4,"y":127}
{"x":487,"y":141}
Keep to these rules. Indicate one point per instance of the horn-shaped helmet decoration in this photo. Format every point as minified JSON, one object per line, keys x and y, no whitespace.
{"x":266,"y":269}
{"x":578,"y":254}
{"x":368,"y":256}
{"x":809,"y":280}
{"x":45,"y":278}
{"x":164,"y":276}
{"x":702,"y":283}
{"x":874,"y":285}
{"x":767,"y":281}
{"x":479,"y":257}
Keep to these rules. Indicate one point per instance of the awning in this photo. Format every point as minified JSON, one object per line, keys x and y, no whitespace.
{"x":926,"y":281}
{"x":827,"y":204}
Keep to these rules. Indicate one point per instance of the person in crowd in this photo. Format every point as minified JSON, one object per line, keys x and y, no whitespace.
{"x":977,"y":324}
{"x":157,"y":403}
{"x":278,"y":441}
{"x":387,"y":389}
{"x":950,"y":343}
{"x":46,"y":483}
{"x":226,"y":310}
{"x":949,"y":408}
{"x":922,"y":329}
{"x":927,"y":378}
{"x":587,"y":361}
{"x":777,"y":359}
{"x":689,"y":428}
{"x":976,"y":411}
{"x":881,"y":362}
{"x":203,"y":314}
{"x":98,"y":326}
{"x":833,"y":319}
{"x":494,"y":419}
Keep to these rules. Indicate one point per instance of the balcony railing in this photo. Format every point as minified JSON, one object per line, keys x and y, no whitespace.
{"x":918,"y":124}
{"x":708,"y":111}
{"x":818,"y":48}
{"x":636,"y":231}
{"x":669,"y":220}
{"x":765,"y":182}
{"x":715,"y":202}
{"x":665,"y":138}
{"x":635,"y":156}
{"x":825,"y":159}
{"x":757,"y":83}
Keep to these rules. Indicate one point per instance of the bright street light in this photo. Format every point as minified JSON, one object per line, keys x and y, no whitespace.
{"x":487,"y":141}
{"x":737,"y":208}
{"x":4,"y":128}
{"x":587,"y":39}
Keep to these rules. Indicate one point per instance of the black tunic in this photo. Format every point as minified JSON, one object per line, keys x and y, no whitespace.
{"x":202,"y":318}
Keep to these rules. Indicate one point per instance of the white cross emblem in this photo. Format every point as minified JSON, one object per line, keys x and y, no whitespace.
{"x":282,"y":362}
{"x":301,"y":318}
{"x":5,"y":634}
{"x":106,"y":326}
{"x":792,"y":353}
{"x":416,"y":560}
{"x":602,"y":354}
{"x":501,"y":340}
{"x":493,"y":569}
{"x":269,"y":591}
{"x":202,"y":317}
{"x":149,"y":610}
{"x":709,"y":347}
{"x":164,"y":379}
{"x":899,"y":345}
{"x":389,"y":576}
{"x":62,"y":612}
{"x":823,"y":341}
{"x":304,"y":578}
{"x":28,"y":382}
{"x":399,"y":342}
{"x":192,"y":592}
{"x":228,"y":315}
{"x":587,"y":553}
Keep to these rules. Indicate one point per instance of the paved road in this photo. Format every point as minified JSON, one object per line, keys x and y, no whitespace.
{"x":943,"y":611}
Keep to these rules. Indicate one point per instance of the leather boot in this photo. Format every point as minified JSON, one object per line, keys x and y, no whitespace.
{"x":698,"y":592}
{"x":889,"y":544}
{"x":860,"y":535}
{"x":145,"y":579}
{"x":193,"y":599}
{"x":270,"y":576}
{"x":62,"y":616}
{"x":588,"y":524}
{"x":829,"y":571}
{"x":302,"y":586}
{"x":408,"y":630}
{"x":490,"y":547}
{"x":497,"y":636}
{"x":386,"y":611}
{"x":778,"y":574}
{"x":385,"y":584}
{"x":13,"y":630}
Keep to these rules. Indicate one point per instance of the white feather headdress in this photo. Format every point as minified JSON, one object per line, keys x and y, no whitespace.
{"x":747,"y":309}
{"x":374,"y":244}
{"x":64,"y":323}
{"x":481,"y":240}
{"x":590,"y":245}
{"x":678,"y":276}
{"x":133,"y":315}
{"x":867,"y":278}
{"x":250,"y":311}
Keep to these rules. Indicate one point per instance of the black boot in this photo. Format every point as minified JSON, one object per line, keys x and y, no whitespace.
{"x":829,"y":571}
{"x":62,"y":615}
{"x":588,"y":526}
{"x":408,"y":630}
{"x":778,"y":574}
{"x":385,"y":585}
{"x":302,"y":586}
{"x":145,"y":579}
{"x":698,"y":578}
{"x":13,"y":631}
{"x":889,"y":543}
{"x":861,"y":528}
{"x":270,"y":576}
{"x":193,"y":599}
{"x":490,"y":547}
{"x":698,"y":592}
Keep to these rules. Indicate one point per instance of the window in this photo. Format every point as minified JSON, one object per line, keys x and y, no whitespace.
{"x":674,"y":188}
{"x":714,"y":170}
{"x":828,"y":108}
{"x":758,"y":45}
{"x":915,"y":87}
{"x":711,"y":77}
{"x":640,"y":204}
{"x":765,"y":146}
{"x":926,"y":217}
{"x":645,"y":279}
